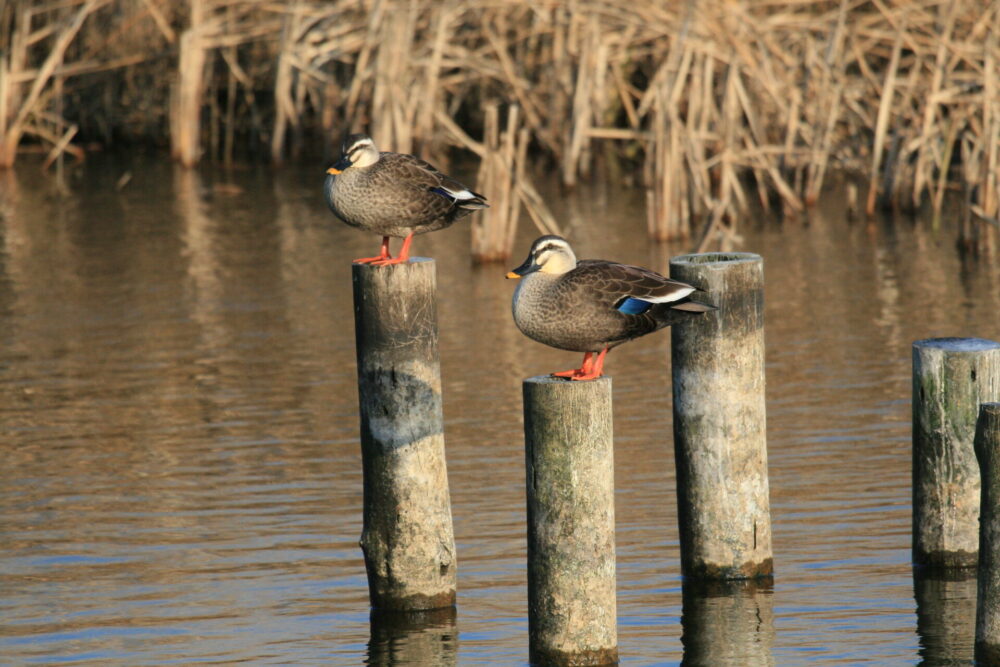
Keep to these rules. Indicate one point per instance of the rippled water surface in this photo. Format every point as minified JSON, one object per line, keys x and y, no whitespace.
{"x":181,"y":475}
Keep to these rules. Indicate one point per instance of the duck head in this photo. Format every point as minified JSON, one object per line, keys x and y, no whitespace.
{"x":358,"y":150}
{"x":549,"y":254}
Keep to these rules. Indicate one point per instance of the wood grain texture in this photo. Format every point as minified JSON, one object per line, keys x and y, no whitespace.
{"x":720,"y":440}
{"x":951,"y":377}
{"x":569,"y":456}
{"x":987,"y":447}
{"x":407,"y":537}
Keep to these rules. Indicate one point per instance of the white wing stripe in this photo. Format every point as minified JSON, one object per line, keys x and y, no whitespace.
{"x":675,"y":295}
{"x":458,"y":194}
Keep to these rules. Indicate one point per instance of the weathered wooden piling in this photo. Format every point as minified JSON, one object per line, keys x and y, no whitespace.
{"x":569,"y":457}
{"x":987,"y":447}
{"x":407,"y":539}
{"x":951,"y":377}
{"x":720,"y":443}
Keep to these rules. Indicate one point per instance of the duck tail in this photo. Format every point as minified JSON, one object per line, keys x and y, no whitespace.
{"x":693,"y":307}
{"x":667,"y":314}
{"x":477,"y":202}
{"x":463,"y":198}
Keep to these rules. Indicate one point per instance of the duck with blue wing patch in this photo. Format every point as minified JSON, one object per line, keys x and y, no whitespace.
{"x":592,"y":305}
{"x":395,"y":195}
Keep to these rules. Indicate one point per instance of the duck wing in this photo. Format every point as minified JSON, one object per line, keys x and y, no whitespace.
{"x":425,"y":177}
{"x":630,"y":289}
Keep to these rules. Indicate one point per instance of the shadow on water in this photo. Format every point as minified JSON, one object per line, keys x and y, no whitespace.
{"x":413,"y":638}
{"x":728,"y":623}
{"x":946,"y":615}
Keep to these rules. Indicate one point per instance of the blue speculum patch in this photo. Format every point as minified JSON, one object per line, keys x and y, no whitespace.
{"x":632,"y":306}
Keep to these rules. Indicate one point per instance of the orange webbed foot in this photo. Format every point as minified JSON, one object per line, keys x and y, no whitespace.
{"x":590,"y":370}
{"x":368,"y":260}
{"x":386,"y":261}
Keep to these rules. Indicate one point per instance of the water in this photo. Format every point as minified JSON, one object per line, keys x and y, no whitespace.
{"x":181,"y":477}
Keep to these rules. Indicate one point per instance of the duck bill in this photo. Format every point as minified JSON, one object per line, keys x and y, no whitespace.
{"x":339,"y":166}
{"x":520,"y":271}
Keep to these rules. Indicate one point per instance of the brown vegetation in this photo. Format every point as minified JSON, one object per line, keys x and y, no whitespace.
{"x":705,"y":104}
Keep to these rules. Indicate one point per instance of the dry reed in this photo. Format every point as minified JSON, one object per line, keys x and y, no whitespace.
{"x":706,"y":104}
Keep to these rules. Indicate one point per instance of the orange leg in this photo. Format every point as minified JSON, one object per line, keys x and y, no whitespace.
{"x":384,"y":256}
{"x":595,"y":371}
{"x":585,"y":368}
{"x":403,"y":256}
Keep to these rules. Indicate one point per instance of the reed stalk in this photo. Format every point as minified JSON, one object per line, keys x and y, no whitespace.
{"x":710,"y":101}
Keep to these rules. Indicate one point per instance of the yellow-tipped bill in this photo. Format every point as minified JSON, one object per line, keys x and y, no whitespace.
{"x":333,"y":170}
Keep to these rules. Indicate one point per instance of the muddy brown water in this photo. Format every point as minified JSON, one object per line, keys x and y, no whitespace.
{"x":181,"y":480}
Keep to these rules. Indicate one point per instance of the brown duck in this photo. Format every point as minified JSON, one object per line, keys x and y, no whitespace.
{"x":593,"y":305}
{"x":393,"y":194}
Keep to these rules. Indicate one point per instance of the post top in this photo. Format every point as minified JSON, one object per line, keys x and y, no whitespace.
{"x":550,"y":379}
{"x":411,"y":260}
{"x":716,"y":258}
{"x":957,"y":344}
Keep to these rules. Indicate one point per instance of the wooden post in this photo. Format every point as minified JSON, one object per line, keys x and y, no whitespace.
{"x":951,"y":377}
{"x":720,"y":443}
{"x":987,"y":446}
{"x":407,"y":537}
{"x":728,"y":622}
{"x":569,"y":457}
{"x":413,"y":638}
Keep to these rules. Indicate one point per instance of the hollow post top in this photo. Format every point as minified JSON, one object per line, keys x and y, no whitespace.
{"x":604,"y":380}
{"x":718,"y":258}
{"x":411,"y":260}
{"x":957,"y":344}
{"x":416,"y":271}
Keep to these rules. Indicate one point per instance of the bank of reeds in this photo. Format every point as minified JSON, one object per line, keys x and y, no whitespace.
{"x":705,"y":104}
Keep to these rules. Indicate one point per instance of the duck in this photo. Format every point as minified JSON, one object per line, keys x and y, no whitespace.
{"x":393,"y":194}
{"x":593,"y":305}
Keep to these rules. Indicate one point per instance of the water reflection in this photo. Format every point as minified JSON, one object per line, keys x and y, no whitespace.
{"x":946,"y":615}
{"x":728,"y":623}
{"x":180,"y":472}
{"x":413,"y":638}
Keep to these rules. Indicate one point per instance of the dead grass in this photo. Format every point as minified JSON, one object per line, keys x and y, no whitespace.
{"x":704,"y":104}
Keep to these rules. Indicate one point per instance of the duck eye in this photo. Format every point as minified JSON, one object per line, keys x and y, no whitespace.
{"x":544,"y":250}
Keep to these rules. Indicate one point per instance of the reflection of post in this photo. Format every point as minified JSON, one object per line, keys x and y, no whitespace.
{"x":987,"y":446}
{"x":946,"y":614}
{"x":720,"y":443}
{"x":569,"y":457}
{"x":728,"y":622}
{"x":951,"y":377}
{"x":407,"y":538}
{"x":413,"y":638}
